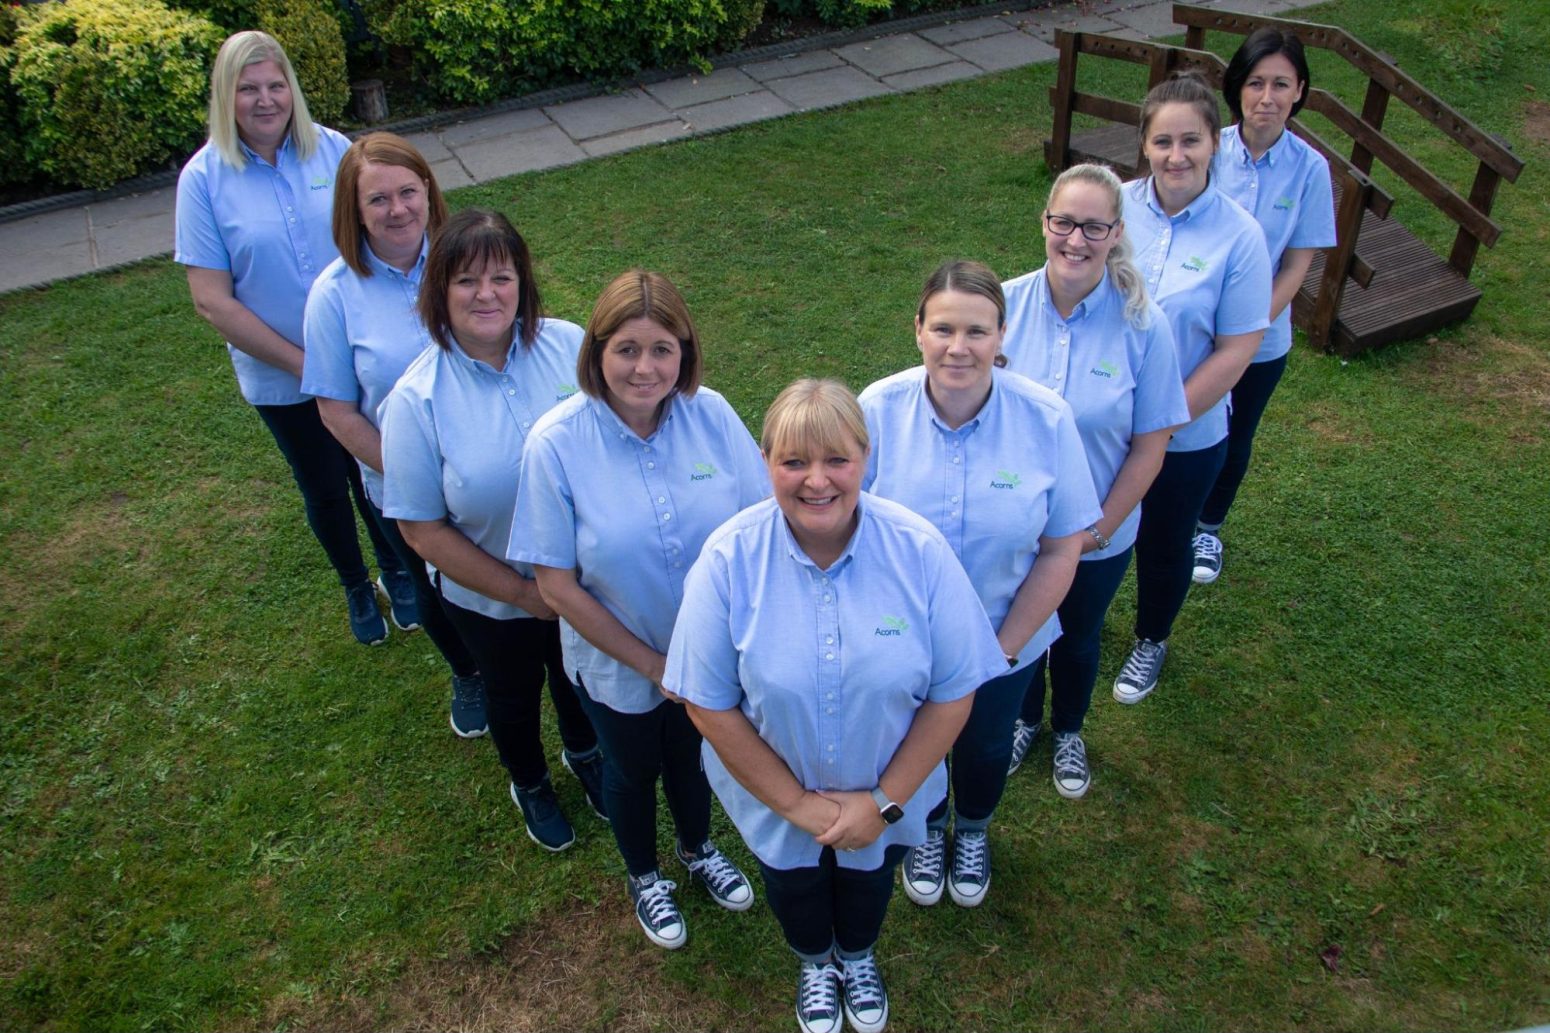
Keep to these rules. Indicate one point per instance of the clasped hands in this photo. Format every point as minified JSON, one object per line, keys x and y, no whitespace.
{"x":843,"y":820}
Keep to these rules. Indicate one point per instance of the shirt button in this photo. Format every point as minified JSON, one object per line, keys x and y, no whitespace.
{"x":828,"y":656}
{"x":651,"y":466}
{"x":511,"y":390}
{"x":953,"y":499}
{"x":829,"y":640}
{"x":829,"y":696}
{"x":667,"y":516}
{"x":526,"y":424}
{"x":831,"y":747}
{"x":825,"y":598}
{"x":661,"y":499}
{"x":957,"y":459}
{"x":828,"y":710}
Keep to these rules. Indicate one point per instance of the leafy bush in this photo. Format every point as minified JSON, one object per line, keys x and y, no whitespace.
{"x":310,"y":35}
{"x":13,"y":168}
{"x":835,"y":12}
{"x":108,"y":89}
{"x":474,"y":51}
{"x":231,"y":15}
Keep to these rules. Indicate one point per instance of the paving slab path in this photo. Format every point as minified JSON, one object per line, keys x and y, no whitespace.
{"x":42,"y":246}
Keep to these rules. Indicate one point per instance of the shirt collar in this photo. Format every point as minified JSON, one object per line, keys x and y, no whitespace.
{"x":279,"y":154}
{"x":479,"y":364}
{"x":1271,"y":156}
{"x":611,"y":420}
{"x":1193,"y":210}
{"x":1086,"y":306}
{"x":377,"y":265}
{"x":795,"y":551}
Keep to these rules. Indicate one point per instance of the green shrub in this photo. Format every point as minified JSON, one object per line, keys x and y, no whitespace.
{"x":13,"y":166}
{"x":231,"y":15}
{"x":310,"y":35}
{"x":474,"y":51}
{"x":846,"y":13}
{"x":108,"y":89}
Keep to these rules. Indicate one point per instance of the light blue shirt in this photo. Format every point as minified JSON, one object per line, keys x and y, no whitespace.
{"x":1288,"y":192}
{"x":452,"y":441}
{"x":1013,"y":473}
{"x":1208,"y":270}
{"x":1120,"y":380}
{"x":629,"y":516}
{"x":829,"y":666}
{"x":271,"y":227}
{"x":362,"y":332}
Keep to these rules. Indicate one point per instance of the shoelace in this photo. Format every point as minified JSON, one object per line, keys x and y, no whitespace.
{"x":717,"y":871}
{"x":658,"y":898}
{"x":816,"y":995}
{"x":1022,"y":737}
{"x":466,"y":690}
{"x":969,"y":854}
{"x":863,"y":986}
{"x":1207,"y":546}
{"x":363,"y":601}
{"x":1070,"y":754}
{"x":1139,"y":664}
{"x":926,"y":859}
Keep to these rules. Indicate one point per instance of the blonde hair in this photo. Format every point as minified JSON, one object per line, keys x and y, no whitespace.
{"x":818,"y":415}
{"x":1122,"y":268}
{"x":240,"y":50}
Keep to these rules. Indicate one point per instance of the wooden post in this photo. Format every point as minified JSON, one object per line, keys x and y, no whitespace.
{"x":1058,"y":154}
{"x":1481,"y":196}
{"x":1373,"y":109}
{"x":370,"y":101}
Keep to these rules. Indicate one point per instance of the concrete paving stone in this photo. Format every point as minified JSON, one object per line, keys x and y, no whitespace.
{"x":893,"y":54}
{"x":702,"y":89}
{"x":957,"y":32}
{"x":1128,"y":32}
{"x":503,"y":124}
{"x":796,"y":64}
{"x":602,"y":116}
{"x":1013,"y":50}
{"x":46,"y":247}
{"x":544,"y":148}
{"x":450,"y":174}
{"x":633,"y":138}
{"x":827,"y":88}
{"x":1083,"y":23}
{"x":130,"y":228}
{"x":429,"y":145}
{"x":1271,"y":7}
{"x":1153,"y":20}
{"x":733,"y":111}
{"x":921,"y":77}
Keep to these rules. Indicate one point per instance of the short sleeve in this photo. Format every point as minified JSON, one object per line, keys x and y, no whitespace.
{"x":328,"y":364}
{"x":964,"y":651}
{"x":1074,"y":502}
{"x":1316,"y":209}
{"x":753,"y":480}
{"x":411,"y":459}
{"x":1244,"y":305}
{"x":702,"y":658}
{"x":197,"y":239}
{"x":543,"y":529}
{"x":1160,"y":402}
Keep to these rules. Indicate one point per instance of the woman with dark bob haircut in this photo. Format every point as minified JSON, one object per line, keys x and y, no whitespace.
{"x":362,"y":330}
{"x":253,"y":231}
{"x":621,"y":485}
{"x":1284,"y":184}
{"x":452,"y":440}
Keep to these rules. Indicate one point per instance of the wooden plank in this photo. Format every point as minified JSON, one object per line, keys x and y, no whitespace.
{"x":1116,"y":146}
{"x":1374,"y":107}
{"x":1482,"y":195}
{"x":1394,"y":81}
{"x":1060,"y":101}
{"x":1380,"y":201}
{"x":1107,"y":108}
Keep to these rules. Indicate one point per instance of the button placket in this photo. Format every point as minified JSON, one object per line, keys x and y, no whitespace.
{"x":830,"y":728}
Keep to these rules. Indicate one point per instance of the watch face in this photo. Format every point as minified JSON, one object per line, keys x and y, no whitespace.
{"x":892,"y":813}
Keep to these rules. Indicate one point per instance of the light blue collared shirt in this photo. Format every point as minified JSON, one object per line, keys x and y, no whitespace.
{"x":271,"y":227}
{"x":993,"y":487}
{"x":1208,"y":270}
{"x":362,"y":333}
{"x":1288,"y":192}
{"x":829,"y":666}
{"x":452,"y":441}
{"x":629,"y":516}
{"x":1119,"y":379}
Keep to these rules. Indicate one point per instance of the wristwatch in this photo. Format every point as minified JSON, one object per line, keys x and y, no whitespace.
{"x":890,"y":811}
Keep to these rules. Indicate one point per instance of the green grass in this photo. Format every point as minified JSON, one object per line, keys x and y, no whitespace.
{"x":218,"y":812}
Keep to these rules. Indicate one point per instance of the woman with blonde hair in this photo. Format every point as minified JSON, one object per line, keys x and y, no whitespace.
{"x":254,"y":229}
{"x":1082,"y":326}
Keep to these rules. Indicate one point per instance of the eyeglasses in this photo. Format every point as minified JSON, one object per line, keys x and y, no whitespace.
{"x":1094,"y":231}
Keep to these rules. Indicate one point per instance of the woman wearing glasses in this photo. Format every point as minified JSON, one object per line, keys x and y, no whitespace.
{"x":1083,"y":327}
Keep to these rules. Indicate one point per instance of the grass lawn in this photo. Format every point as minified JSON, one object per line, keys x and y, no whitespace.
{"x":217,"y":811}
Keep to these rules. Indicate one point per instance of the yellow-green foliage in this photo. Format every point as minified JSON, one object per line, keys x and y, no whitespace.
{"x":13,"y":168}
{"x":312,"y":40}
{"x":107,"y":89}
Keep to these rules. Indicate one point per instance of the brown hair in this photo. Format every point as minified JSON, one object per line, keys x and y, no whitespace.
{"x":638,"y":294}
{"x":1183,"y":88}
{"x":377,"y":149}
{"x":965,"y":277}
{"x":472,"y":238}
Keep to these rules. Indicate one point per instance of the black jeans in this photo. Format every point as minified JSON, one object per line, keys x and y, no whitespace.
{"x":432,"y":617}
{"x":1250,"y":395}
{"x":636,"y":749}
{"x":1165,"y":557}
{"x":980,"y":755}
{"x":514,"y":655}
{"x":328,"y":479}
{"x":827,"y":906}
{"x":1073,"y":659}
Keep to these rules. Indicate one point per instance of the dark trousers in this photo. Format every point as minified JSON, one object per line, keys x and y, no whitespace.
{"x":637,"y":748}
{"x":514,"y":655}
{"x":1165,"y":558}
{"x":432,"y":617}
{"x":1250,"y":395}
{"x":982,"y":751}
{"x":827,"y":906}
{"x":1073,"y":659}
{"x":328,"y":479}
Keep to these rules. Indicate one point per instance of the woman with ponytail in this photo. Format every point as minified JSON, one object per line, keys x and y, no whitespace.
{"x":1082,"y":326}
